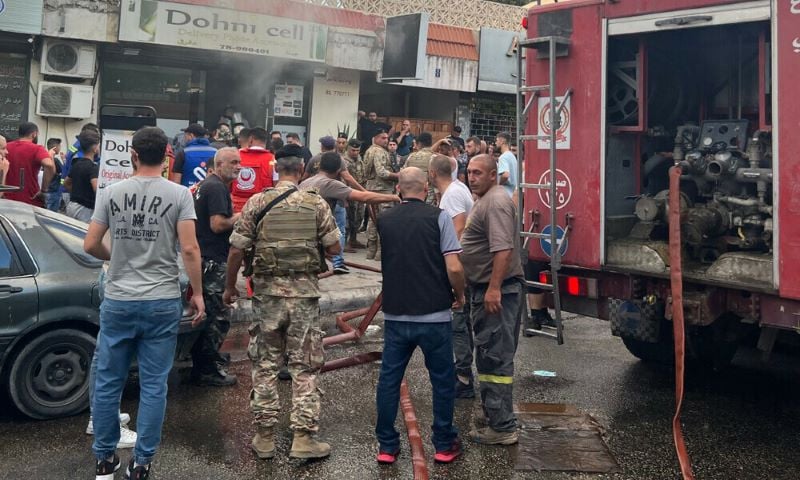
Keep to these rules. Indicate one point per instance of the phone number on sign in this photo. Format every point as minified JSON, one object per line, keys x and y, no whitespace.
{"x":232,"y":48}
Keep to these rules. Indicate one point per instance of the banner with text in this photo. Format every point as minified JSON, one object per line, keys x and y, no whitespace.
{"x":115,"y":157}
{"x":210,"y":28}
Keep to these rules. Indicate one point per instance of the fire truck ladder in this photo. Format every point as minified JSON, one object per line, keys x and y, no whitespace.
{"x":554,"y":46}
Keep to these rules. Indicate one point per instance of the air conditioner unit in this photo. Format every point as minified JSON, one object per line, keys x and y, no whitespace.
{"x":68,"y":59}
{"x":64,"y":100}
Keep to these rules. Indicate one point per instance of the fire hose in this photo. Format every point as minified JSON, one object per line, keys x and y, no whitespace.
{"x":350,"y":334}
{"x":678,"y":328}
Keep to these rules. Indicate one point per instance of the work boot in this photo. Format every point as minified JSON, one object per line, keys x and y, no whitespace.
{"x":305,"y":446}
{"x":487,"y":436}
{"x":264,"y":442}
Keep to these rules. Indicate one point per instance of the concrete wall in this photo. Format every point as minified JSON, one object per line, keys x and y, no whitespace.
{"x":96,"y":20}
{"x":334,"y":102}
{"x":448,"y":74}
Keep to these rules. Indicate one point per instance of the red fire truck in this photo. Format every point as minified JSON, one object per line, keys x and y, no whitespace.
{"x":618,"y":92}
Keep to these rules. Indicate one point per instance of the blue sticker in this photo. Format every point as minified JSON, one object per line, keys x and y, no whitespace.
{"x":562,"y":242}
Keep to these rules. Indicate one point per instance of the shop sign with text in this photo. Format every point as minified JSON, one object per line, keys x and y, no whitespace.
{"x":209,"y":28}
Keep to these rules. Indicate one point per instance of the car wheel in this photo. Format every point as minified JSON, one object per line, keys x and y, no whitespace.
{"x":50,"y":376}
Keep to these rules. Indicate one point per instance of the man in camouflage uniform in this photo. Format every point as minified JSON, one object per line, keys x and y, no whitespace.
{"x":285,"y":300}
{"x":422,"y":159}
{"x":355,"y":210}
{"x":380,"y":179}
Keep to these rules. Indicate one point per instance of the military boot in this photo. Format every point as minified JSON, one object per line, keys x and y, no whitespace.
{"x":371,"y":253}
{"x":305,"y":446}
{"x":264,"y":442}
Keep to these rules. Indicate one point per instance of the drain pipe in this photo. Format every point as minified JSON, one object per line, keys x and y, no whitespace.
{"x":414,"y":438}
{"x":678,"y":327}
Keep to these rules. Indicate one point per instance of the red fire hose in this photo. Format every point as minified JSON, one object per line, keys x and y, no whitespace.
{"x":414,"y":438}
{"x":678,"y":330}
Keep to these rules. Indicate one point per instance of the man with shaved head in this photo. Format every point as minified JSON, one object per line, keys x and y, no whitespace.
{"x":422,"y":280}
{"x":494,"y":274}
{"x":215,"y":220}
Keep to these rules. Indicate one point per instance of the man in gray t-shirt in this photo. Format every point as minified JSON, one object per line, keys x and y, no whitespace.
{"x":337,"y":194}
{"x":493,"y":269}
{"x":146,"y":216}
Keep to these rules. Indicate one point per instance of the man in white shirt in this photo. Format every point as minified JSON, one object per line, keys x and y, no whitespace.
{"x":457,"y":203}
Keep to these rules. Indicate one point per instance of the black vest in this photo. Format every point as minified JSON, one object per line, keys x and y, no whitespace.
{"x":414,"y":273}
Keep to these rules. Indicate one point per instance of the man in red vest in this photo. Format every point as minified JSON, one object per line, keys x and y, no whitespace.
{"x":257,"y":169}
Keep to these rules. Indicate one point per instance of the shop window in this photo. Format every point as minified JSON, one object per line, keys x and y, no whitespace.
{"x":175,"y":93}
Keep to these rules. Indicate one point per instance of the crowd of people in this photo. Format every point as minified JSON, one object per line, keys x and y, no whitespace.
{"x":439,"y":216}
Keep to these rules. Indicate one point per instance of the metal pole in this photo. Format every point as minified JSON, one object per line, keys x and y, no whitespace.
{"x":555,"y":248}
{"x":521,"y":123}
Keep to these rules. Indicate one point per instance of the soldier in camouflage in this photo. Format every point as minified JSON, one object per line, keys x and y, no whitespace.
{"x":422,"y":159}
{"x":355,"y":210}
{"x":380,"y":179}
{"x":287,"y":241}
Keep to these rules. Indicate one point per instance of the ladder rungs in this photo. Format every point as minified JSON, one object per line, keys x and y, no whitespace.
{"x":534,"y":88}
{"x":543,"y":236}
{"x":543,"y":286}
{"x":541,"y":333}
{"x":534,"y":42}
{"x":529,"y":138}
{"x":534,"y":185}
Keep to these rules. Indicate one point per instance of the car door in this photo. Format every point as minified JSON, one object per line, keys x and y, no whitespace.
{"x":19,"y":296}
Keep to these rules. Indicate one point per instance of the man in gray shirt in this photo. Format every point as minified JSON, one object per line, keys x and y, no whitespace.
{"x":337,"y":194}
{"x":146,"y":216}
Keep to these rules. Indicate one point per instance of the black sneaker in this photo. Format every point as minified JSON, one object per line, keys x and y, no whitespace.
{"x":215,"y":379}
{"x":105,"y":470}
{"x":465,"y":390}
{"x":341,"y":270}
{"x":142,"y":472}
{"x":537,"y":319}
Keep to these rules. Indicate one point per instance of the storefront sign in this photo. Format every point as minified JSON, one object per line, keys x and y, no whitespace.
{"x":498,"y":61}
{"x":21,"y":16}
{"x":209,"y":28}
{"x":115,"y":157}
{"x":288,"y":101}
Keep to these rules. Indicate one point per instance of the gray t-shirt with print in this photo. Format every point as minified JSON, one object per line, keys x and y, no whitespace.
{"x":142,"y":215}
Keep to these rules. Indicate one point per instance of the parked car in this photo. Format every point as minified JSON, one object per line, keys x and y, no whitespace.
{"x":49,"y":311}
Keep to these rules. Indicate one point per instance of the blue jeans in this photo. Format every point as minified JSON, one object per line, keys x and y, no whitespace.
{"x":340,"y":214}
{"x":53,"y":201}
{"x":400,"y":339}
{"x":147,"y":329}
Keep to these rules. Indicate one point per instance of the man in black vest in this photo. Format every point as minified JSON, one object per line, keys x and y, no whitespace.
{"x":420,"y":262}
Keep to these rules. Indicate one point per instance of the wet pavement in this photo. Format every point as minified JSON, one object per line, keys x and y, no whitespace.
{"x":740,"y":424}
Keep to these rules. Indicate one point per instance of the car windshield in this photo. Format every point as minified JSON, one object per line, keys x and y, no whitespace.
{"x":70,"y":237}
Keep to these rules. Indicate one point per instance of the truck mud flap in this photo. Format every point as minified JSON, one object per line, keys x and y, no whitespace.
{"x":636,"y":319}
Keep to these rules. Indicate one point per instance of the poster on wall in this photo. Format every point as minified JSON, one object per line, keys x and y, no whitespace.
{"x":115,"y":157}
{"x":564,"y":132}
{"x":222,"y":29}
{"x":288,"y":101}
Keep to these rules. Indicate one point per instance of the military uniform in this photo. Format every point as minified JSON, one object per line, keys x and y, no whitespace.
{"x":355,"y":210}
{"x":422,"y":160}
{"x":377,"y":168}
{"x":286,"y":300}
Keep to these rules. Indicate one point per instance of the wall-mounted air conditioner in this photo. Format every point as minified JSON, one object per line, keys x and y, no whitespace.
{"x":68,"y":59}
{"x":64,"y":100}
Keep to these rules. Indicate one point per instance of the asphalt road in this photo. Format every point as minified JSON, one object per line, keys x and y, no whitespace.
{"x":740,"y":424}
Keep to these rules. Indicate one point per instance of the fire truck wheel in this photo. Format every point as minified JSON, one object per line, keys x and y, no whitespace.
{"x":659,"y":353}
